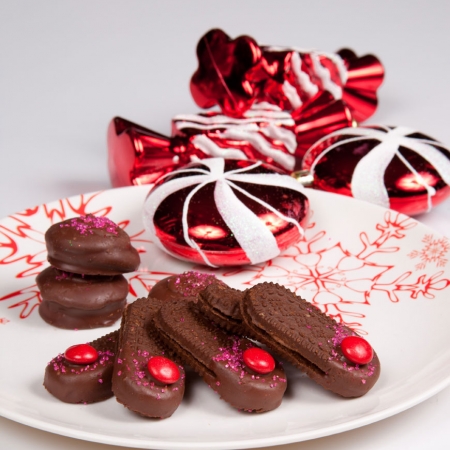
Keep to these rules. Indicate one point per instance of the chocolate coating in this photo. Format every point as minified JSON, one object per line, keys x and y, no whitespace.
{"x":88,"y":292}
{"x":132,"y":383}
{"x":309,"y":339}
{"x":217,"y":357}
{"x":185,"y":286}
{"x":80,"y":319}
{"x":83,"y":383}
{"x":90,"y":245}
{"x":73,"y":301}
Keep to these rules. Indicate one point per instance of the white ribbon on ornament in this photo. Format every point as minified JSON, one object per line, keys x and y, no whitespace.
{"x":368,"y":177}
{"x":257,"y":241}
{"x":262,"y":123}
{"x":306,"y":81}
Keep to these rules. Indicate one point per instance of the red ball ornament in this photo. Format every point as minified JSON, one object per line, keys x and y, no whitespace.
{"x":222,"y":212}
{"x":395,"y":167}
{"x":163,"y":369}
{"x":357,"y":350}
{"x":259,"y":360}
{"x":81,"y":354}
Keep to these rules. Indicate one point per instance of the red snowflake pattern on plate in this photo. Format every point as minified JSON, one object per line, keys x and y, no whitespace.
{"x":344,"y":265}
{"x":434,"y":252}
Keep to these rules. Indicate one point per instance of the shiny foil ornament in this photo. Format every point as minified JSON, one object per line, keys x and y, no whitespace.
{"x":222,"y":212}
{"x":221,"y":76}
{"x":138,"y":155}
{"x":235,"y":73}
{"x":395,"y":167}
{"x":295,"y":76}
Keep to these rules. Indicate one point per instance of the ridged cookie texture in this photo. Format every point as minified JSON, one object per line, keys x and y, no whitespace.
{"x":132,"y":383}
{"x":309,"y":339}
{"x":83,"y":383}
{"x":221,"y":304}
{"x":218,"y":358}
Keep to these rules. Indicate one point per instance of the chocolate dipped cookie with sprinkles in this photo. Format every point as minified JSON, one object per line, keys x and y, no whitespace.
{"x":243,"y":374}
{"x":185,"y":286}
{"x":90,"y":245}
{"x":330,"y":353}
{"x":145,"y":380}
{"x":83,"y":373}
{"x":84,"y":287}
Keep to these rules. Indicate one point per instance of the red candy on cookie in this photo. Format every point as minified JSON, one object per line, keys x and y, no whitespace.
{"x":81,"y":354}
{"x":163,"y":369}
{"x":259,"y":360}
{"x":357,"y":350}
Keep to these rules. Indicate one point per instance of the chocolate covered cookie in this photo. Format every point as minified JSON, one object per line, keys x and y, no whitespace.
{"x":90,"y":245}
{"x":73,"y":301}
{"x":144,"y":380}
{"x":221,"y":304}
{"x":83,"y":382}
{"x":224,"y":361}
{"x":184,"y":286}
{"x":309,"y":339}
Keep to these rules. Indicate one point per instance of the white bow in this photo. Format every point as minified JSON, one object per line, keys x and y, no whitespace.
{"x":249,"y":230}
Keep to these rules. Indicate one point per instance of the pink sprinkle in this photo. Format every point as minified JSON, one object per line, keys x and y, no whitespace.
{"x":232,"y":355}
{"x":194,"y":282}
{"x":85,"y":224}
{"x":363,"y":381}
{"x":100,"y":380}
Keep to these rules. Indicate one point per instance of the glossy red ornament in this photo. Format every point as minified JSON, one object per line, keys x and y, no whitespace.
{"x":258,"y":360}
{"x":138,"y":155}
{"x":295,"y":76}
{"x":163,"y":369}
{"x":357,"y":350}
{"x":222,"y":212}
{"x":235,"y":73}
{"x":395,"y":167}
{"x":221,"y":75}
{"x":81,"y":354}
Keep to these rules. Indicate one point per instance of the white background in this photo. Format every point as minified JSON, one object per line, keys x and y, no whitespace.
{"x":68,"y":67}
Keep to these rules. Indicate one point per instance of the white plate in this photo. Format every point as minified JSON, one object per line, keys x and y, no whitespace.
{"x":382,"y":273}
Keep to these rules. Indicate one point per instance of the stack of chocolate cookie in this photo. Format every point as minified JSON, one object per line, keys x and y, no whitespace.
{"x":84,"y":287}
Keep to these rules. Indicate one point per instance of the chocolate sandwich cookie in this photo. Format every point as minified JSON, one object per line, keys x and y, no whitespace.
{"x":144,"y":379}
{"x":73,"y":301}
{"x":308,"y":338}
{"x":184,"y":286}
{"x":221,"y":359}
{"x":90,"y":245}
{"x":221,"y":304}
{"x":85,"y":381}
